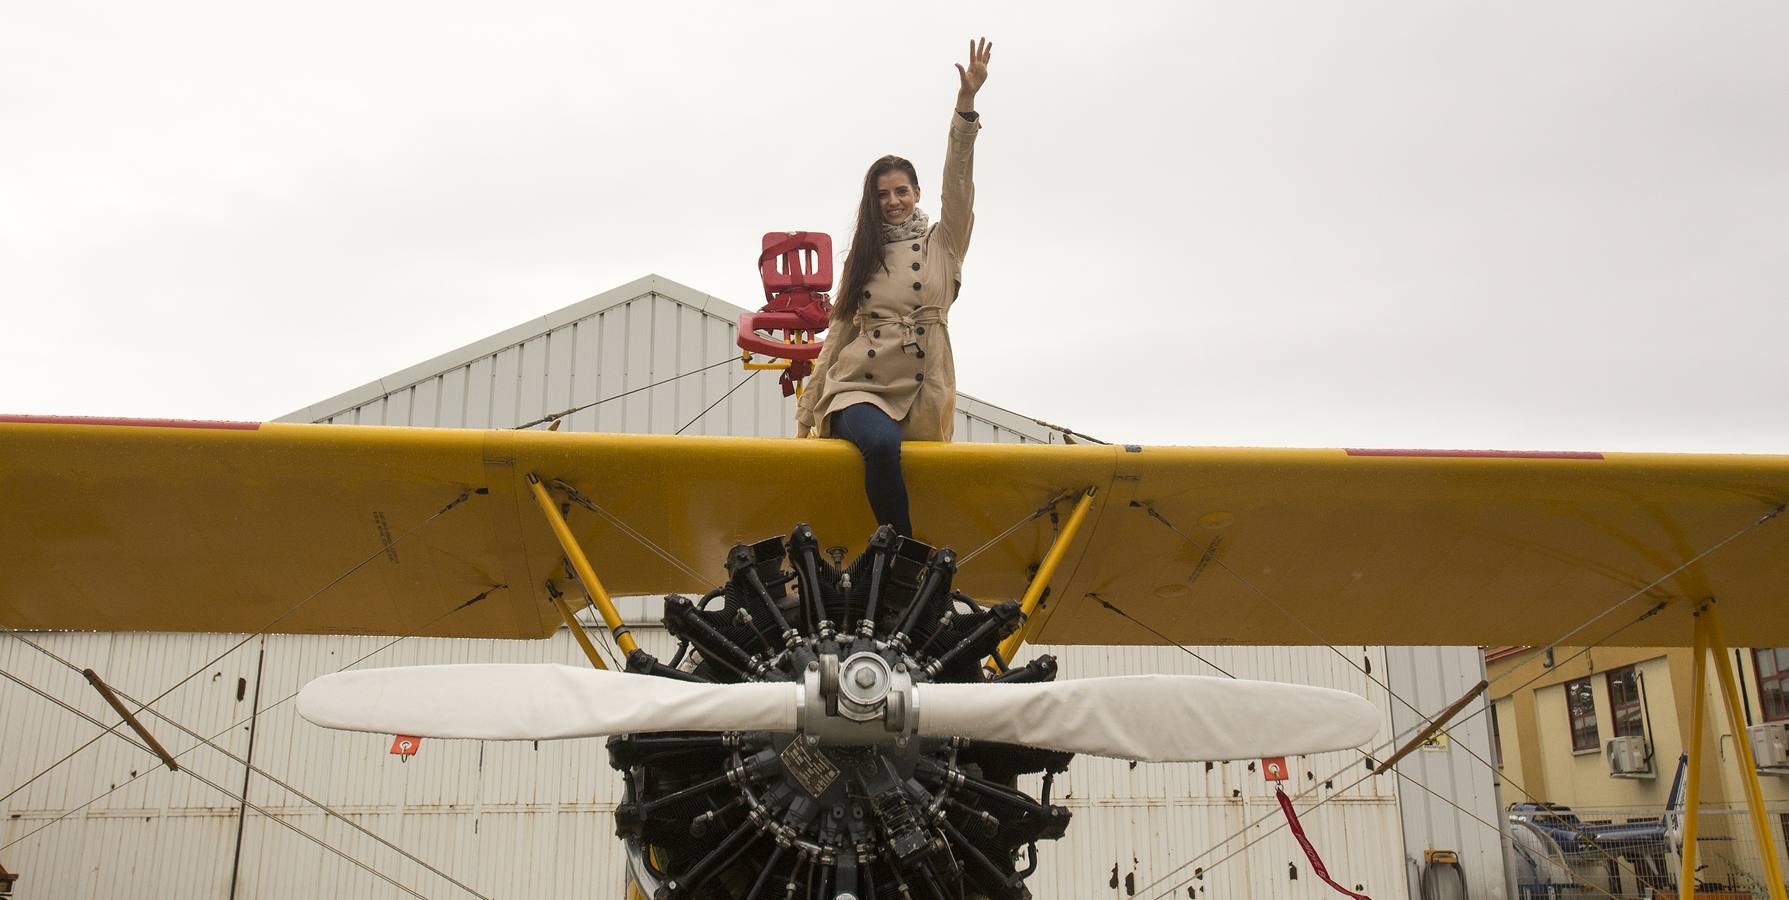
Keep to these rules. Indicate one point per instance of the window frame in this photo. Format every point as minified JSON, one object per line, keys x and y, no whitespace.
{"x":1780,"y":662}
{"x":1573,"y":718}
{"x":1637,"y":703}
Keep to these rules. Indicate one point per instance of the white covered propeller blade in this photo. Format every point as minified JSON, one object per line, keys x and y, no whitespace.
{"x":1151,"y":718}
{"x":536,"y":702}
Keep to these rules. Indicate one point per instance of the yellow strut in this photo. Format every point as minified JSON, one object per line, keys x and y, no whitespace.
{"x":1748,"y":765}
{"x":1692,"y":776}
{"x":581,"y":565}
{"x":577,"y":627}
{"x":1045,"y":571}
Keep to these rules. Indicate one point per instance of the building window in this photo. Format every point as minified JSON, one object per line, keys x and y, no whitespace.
{"x":1773,"y":681}
{"x":1580,"y":705}
{"x":1496,"y":740}
{"x":1624,"y":702}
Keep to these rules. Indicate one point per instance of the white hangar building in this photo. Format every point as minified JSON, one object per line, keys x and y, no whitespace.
{"x":346,"y":818}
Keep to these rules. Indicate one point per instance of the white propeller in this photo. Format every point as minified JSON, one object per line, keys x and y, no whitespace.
{"x":1152,"y":718}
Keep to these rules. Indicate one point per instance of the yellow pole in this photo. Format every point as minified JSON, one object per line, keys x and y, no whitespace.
{"x":581,"y":565}
{"x":1692,"y":776}
{"x":1045,"y":571}
{"x":1748,"y":765}
{"x":577,"y":628}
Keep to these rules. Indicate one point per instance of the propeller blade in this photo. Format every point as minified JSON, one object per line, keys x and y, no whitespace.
{"x":1152,"y":718}
{"x":531,"y":702}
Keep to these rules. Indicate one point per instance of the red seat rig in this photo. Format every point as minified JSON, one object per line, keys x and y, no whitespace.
{"x":797,"y":270}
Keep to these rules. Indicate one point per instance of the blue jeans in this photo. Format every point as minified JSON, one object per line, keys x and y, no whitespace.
{"x":878,"y":438}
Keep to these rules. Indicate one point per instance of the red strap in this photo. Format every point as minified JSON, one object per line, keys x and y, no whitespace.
{"x":1310,"y":851}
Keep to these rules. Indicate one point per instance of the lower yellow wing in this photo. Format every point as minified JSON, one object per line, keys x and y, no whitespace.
{"x":170,"y":526}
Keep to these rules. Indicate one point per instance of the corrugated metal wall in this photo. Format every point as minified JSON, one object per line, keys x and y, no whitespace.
{"x":519,"y":820}
{"x":1449,"y":782}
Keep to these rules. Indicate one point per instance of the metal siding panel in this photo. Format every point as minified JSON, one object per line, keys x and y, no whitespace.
{"x":531,"y":380}
{"x":586,"y":373}
{"x":478,"y":392}
{"x":561,"y":370}
{"x":506,"y":385}
{"x":425,"y":409}
{"x":398,"y":406}
{"x":1430,"y":678}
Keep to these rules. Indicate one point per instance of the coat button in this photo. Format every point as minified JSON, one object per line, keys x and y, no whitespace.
{"x":920,"y":377}
{"x":876,"y":333}
{"x":916,"y":285}
{"x":916,"y":267}
{"x":866,"y":295}
{"x":869,"y":376}
{"x":922,"y":354}
{"x":872,"y":354}
{"x":921,"y":329}
{"x":916,"y":248}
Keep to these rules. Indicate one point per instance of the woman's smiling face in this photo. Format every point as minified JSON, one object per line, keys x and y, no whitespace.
{"x":896,"y":196}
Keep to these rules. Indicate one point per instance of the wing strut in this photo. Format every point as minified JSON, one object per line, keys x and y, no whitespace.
{"x":1045,"y":571}
{"x":586,"y":575}
{"x":1710,"y":640}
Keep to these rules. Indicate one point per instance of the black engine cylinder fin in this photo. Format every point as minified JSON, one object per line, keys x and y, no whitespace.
{"x":1005,"y":763}
{"x":804,"y":552}
{"x":941,"y":567}
{"x":987,"y":634}
{"x":880,"y":551}
{"x":947,"y":777}
{"x":992,"y":879}
{"x":685,"y":883}
{"x":764,"y":815}
{"x":748,"y":568}
{"x":641,"y":662}
{"x":763,"y":881}
{"x":1043,"y":668}
{"x":986,"y":823}
{"x":684,"y":621}
{"x":629,"y":750}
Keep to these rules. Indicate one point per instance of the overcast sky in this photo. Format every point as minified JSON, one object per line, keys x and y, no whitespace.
{"x":1513,"y":225}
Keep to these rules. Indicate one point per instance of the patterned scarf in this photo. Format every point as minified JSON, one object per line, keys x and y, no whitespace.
{"x":914,"y":227}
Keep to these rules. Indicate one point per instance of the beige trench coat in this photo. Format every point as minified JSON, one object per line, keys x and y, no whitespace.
{"x":896,"y":352}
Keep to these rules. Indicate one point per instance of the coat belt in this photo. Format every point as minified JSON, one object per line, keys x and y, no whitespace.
{"x":909,"y":324}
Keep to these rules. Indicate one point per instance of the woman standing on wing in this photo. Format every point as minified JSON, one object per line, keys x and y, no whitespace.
{"x":886,"y":372}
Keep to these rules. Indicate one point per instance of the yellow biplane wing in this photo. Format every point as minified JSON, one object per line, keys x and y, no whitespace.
{"x":240,"y":527}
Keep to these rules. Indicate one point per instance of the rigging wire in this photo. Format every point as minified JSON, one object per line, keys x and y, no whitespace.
{"x":729,"y":393}
{"x":1049,"y":506}
{"x":1211,"y":556}
{"x":383,"y":550}
{"x":1183,"y":648}
{"x":1374,"y":771}
{"x":239,"y":723}
{"x":270,"y":777}
{"x":220,"y":789}
{"x":578,"y":497}
{"x":551,"y":417}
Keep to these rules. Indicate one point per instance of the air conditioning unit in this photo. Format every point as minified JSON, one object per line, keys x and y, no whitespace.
{"x":1628,"y":758}
{"x":1770,"y":747}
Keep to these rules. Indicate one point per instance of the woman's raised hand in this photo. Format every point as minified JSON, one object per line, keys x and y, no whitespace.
{"x":980,"y":50}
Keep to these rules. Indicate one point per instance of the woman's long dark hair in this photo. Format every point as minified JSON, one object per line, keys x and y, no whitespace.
{"x":866,"y":241}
